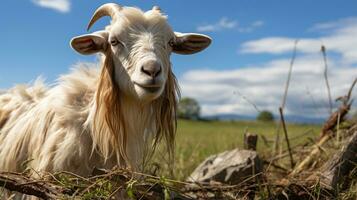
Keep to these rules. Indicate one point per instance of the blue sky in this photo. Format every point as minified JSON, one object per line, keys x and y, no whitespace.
{"x":249,"y":56}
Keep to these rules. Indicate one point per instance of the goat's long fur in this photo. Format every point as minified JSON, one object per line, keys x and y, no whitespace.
{"x":51,"y":129}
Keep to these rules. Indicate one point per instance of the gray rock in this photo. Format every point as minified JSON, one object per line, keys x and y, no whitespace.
{"x":231,"y":167}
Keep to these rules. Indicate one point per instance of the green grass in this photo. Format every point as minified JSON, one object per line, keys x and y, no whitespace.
{"x":196,"y":140}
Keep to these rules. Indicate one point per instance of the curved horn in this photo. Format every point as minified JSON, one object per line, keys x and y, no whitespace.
{"x":156,"y":8}
{"x":108,"y":9}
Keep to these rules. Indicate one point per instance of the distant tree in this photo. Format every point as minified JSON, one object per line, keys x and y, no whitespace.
{"x":189,"y":108}
{"x":265,"y":116}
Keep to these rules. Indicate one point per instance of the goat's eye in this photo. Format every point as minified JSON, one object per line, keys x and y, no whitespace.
{"x":171,"y":42}
{"x":114,"y":42}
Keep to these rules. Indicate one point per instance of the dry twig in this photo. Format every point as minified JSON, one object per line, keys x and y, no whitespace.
{"x":292,"y":61}
{"x":286,"y":137}
{"x":323,"y":50}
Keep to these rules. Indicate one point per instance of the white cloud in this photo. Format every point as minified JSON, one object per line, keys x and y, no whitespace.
{"x":225,"y":23}
{"x":220,"y":91}
{"x":207,"y":28}
{"x":341,"y":39}
{"x":63,"y":6}
{"x":258,"y":23}
{"x":251,"y":27}
{"x":325,"y":26}
{"x":278,"y":45}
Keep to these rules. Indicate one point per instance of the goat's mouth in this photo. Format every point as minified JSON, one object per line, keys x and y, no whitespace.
{"x":149,"y":88}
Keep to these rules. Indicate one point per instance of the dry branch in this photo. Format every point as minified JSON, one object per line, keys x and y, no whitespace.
{"x":342,"y":111}
{"x":323,"y":50}
{"x":277,"y":139}
{"x":289,"y":74}
{"x":335,"y":171}
{"x":314,"y":153}
{"x":19,"y":183}
{"x":286,"y":137}
{"x":148,"y":187}
{"x":327,"y":130}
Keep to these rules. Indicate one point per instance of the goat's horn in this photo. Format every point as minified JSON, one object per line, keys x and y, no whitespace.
{"x":156,"y":8}
{"x":108,"y":9}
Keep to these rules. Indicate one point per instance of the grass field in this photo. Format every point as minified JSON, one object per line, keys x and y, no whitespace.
{"x":196,"y":140}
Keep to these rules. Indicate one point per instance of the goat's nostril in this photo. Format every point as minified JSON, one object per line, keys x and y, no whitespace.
{"x":145,"y":71}
{"x":151,"y":68}
{"x":158,"y":72}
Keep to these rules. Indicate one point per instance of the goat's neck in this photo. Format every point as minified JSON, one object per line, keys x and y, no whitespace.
{"x":139,"y":122}
{"x":140,"y":126}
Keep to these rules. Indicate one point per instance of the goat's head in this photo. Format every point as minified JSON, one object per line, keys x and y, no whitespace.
{"x":140,"y":44}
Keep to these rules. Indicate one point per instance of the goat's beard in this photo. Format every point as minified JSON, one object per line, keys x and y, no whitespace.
{"x":109,"y":129}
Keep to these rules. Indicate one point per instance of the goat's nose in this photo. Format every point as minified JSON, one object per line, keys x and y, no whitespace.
{"x":151,"y":68}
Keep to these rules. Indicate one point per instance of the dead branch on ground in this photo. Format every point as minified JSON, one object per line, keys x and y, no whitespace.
{"x":328,"y":130}
{"x":17,"y":182}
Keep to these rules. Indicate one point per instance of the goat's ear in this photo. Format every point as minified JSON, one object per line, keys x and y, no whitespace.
{"x":90,"y":43}
{"x":190,"y":43}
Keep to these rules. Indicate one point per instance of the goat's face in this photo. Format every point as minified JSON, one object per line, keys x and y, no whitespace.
{"x":140,"y":44}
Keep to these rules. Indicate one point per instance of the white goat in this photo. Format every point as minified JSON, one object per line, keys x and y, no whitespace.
{"x":100,"y":117}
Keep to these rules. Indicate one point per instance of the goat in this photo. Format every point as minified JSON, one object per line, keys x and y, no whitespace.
{"x":112,"y":115}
